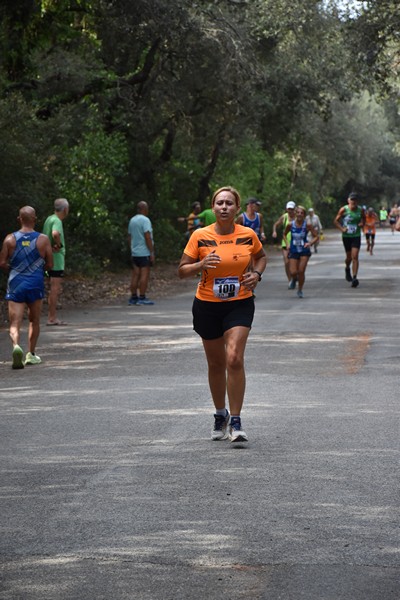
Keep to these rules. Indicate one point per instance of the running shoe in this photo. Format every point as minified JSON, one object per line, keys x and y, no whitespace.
{"x":32,"y":359}
{"x":292,"y":284}
{"x":17,"y":362}
{"x":236,"y":433}
{"x":146,"y":301}
{"x":348,"y":274}
{"x":355,"y":282}
{"x":300,"y":294}
{"x":220,"y":427}
{"x":133,"y":300}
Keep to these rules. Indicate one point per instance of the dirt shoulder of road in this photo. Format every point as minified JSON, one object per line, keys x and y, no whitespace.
{"x":109,"y":288}
{"x":114,"y":287}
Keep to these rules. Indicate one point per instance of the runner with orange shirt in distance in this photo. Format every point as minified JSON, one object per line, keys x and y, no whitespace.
{"x":371,"y":219}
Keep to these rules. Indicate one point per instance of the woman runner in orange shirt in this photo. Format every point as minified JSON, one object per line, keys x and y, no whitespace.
{"x":371,"y":219}
{"x":231,"y":260}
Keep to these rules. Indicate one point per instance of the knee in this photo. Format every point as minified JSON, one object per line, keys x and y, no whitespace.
{"x":216,"y":365}
{"x":55,"y":288}
{"x":235,"y":362}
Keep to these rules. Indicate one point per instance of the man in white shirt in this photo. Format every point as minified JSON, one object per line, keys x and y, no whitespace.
{"x":313,"y":220}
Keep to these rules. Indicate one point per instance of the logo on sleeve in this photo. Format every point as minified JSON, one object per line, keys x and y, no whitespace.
{"x":202,"y":243}
{"x":247,"y":241}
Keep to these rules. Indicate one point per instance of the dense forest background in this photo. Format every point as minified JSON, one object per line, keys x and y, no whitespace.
{"x":108,"y":102}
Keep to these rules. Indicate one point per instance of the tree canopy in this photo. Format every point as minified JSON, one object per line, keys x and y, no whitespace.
{"x":108,"y":102}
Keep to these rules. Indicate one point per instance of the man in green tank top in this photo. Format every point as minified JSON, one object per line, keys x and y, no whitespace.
{"x":350,"y":220}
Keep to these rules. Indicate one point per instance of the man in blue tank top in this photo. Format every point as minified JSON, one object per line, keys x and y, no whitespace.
{"x":25,"y":255}
{"x":253,"y":219}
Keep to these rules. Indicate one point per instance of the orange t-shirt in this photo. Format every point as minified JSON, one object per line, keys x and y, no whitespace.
{"x":236,"y":249}
{"x":370,"y":224}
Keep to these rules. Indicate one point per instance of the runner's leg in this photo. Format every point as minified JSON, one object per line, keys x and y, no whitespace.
{"x":216,"y":360}
{"x":235,"y":340}
{"x":285,"y":253}
{"x":34,"y":312}
{"x":354,"y":260}
{"x":144,"y":280}
{"x":134,"y":280}
{"x":15,"y":315}
{"x":302,"y":265}
{"x":55,"y":291}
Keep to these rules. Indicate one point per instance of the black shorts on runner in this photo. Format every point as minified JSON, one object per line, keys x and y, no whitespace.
{"x":370,"y":236}
{"x":141,"y":261}
{"x":52,"y":273}
{"x":351,"y":242}
{"x":212,"y":319}
{"x":298,"y":255}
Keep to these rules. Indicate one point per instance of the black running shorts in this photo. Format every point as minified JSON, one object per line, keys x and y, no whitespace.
{"x":52,"y":273}
{"x":212,"y":319}
{"x":351,"y":242}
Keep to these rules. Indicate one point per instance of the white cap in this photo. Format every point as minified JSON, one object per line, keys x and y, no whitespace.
{"x":291,"y":204}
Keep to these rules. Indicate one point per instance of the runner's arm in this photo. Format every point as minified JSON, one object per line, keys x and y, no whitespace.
{"x":251,"y":278}
{"x":57,"y":245}
{"x":239,"y":220}
{"x":44,"y":247}
{"x":260,"y":261}
{"x":191,"y":266}
{"x":5,"y":253}
{"x":278,"y":223}
{"x":315,"y":235}
{"x":287,"y":229}
{"x":337,"y":220}
{"x":149,"y":242}
{"x":262,"y":232}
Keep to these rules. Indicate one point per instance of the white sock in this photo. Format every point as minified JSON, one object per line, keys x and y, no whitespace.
{"x":222,"y":412}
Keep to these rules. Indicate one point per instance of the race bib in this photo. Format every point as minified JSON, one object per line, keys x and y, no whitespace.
{"x":351,"y":228}
{"x":299,"y":244}
{"x":225,"y":288}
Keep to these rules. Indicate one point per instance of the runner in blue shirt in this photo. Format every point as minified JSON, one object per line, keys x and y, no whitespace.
{"x":25,"y":255}
{"x":299,"y":246}
{"x":253,"y":219}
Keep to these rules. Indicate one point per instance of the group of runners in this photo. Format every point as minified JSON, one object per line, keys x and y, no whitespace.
{"x":229,"y":255}
{"x":296,"y":245}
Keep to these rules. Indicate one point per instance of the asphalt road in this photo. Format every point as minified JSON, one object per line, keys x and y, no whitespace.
{"x":112,"y":489}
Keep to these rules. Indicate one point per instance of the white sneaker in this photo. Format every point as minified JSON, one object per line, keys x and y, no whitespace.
{"x":220,"y":431}
{"x":236,"y":433}
{"x":32,"y":359}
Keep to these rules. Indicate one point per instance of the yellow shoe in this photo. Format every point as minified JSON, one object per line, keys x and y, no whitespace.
{"x":32,"y":359}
